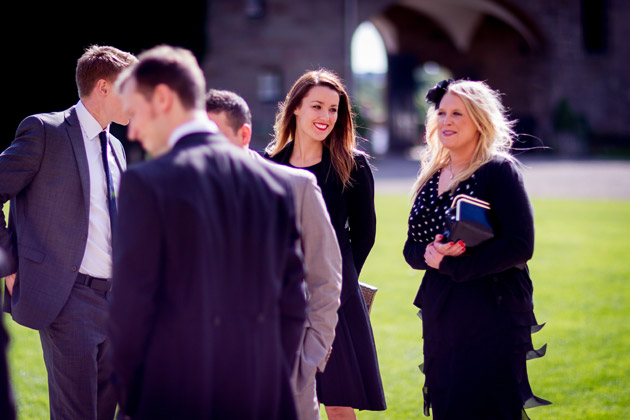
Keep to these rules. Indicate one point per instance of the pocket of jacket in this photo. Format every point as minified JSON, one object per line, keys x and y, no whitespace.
{"x":30,"y":253}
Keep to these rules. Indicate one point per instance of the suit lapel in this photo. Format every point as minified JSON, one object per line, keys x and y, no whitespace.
{"x":75,"y":136}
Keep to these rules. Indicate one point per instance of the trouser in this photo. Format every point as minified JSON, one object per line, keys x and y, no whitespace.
{"x":76,"y":354}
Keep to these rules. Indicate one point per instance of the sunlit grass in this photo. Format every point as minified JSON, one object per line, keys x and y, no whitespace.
{"x":581,"y":278}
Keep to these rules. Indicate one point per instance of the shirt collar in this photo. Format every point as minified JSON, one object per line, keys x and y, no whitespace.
{"x":200,"y":124}
{"x":91,"y":128}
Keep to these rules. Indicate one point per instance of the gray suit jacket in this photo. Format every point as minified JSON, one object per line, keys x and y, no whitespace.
{"x":45,"y":175}
{"x":323,"y":269}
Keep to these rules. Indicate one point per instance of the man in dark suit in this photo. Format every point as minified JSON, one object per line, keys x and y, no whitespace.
{"x":61,"y":185}
{"x":208,"y":308}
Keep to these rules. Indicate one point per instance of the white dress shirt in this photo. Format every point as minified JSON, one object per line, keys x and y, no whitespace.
{"x":97,"y":260}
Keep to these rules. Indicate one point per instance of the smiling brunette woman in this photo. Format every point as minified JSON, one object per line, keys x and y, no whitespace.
{"x":475,"y":301}
{"x":314,"y":131}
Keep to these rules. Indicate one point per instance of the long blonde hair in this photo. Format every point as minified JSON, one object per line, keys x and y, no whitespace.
{"x":496,"y":133}
{"x":341,"y":142}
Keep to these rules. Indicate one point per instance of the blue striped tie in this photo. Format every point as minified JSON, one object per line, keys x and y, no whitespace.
{"x":111,"y":193}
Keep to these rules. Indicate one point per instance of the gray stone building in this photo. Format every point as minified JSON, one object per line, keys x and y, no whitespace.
{"x":563,"y":65}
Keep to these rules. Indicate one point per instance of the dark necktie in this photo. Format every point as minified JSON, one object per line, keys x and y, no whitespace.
{"x":111,"y":194}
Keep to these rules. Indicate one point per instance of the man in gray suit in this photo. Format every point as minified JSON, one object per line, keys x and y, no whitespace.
{"x":319,"y":245}
{"x":62,"y":190}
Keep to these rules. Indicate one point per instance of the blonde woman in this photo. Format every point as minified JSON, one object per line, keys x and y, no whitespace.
{"x":314,"y":131}
{"x":476,"y":302}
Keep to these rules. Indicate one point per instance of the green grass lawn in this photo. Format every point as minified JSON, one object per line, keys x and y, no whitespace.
{"x":581,"y":275}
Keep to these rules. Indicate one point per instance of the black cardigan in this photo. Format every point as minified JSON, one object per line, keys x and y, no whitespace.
{"x":351,"y":210}
{"x":501,"y":184}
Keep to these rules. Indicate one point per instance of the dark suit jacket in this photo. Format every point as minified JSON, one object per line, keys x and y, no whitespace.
{"x":207,"y":286}
{"x":45,"y":175}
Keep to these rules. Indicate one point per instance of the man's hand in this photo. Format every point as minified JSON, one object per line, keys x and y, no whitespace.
{"x":10,"y":281}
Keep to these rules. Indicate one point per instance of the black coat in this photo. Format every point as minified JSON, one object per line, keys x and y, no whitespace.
{"x":351,"y":211}
{"x":477,"y":309}
{"x":208,"y":307}
{"x":352,"y":377}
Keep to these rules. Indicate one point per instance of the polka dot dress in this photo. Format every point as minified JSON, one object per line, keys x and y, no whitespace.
{"x":428,"y":214}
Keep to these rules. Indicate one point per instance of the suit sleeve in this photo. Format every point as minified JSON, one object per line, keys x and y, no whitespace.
{"x":19,"y":164}
{"x":513,"y":224}
{"x":323,"y":277}
{"x":362,"y":214}
{"x":137,"y":251}
{"x":292,"y":298}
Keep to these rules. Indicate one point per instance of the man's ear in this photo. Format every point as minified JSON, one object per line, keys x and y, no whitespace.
{"x":245,"y":134}
{"x":162,"y":97}
{"x":103,"y":87}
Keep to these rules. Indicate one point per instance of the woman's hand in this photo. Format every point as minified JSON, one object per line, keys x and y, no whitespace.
{"x":436,"y":250}
{"x":452,"y":249}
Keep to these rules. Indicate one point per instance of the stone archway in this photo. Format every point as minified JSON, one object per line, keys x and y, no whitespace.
{"x":476,"y":39}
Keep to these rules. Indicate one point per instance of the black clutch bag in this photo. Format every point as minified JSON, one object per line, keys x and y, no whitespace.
{"x":467,"y":220}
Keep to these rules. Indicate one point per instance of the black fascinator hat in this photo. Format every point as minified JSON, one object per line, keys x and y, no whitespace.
{"x":435,"y":94}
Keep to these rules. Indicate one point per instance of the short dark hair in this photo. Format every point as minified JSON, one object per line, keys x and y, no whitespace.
{"x":174,"y":67}
{"x":100,"y":62}
{"x":234,"y":106}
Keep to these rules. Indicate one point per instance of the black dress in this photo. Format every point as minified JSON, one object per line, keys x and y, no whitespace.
{"x":477,"y":309}
{"x":351,"y":377}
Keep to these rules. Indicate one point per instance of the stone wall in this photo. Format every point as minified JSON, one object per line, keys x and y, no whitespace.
{"x":251,"y":55}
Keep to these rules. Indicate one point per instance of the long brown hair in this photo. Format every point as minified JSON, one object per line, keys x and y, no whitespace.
{"x":341,"y":142}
